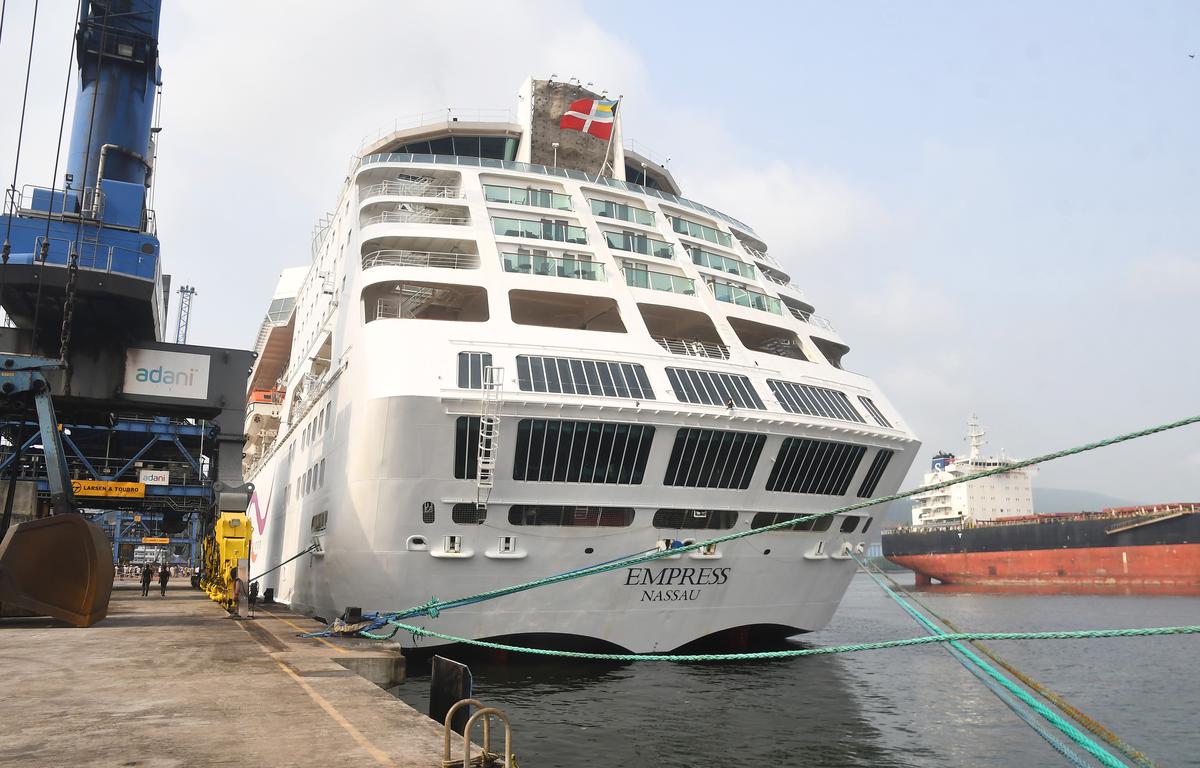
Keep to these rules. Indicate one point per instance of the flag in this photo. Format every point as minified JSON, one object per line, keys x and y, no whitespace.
{"x":594,"y":116}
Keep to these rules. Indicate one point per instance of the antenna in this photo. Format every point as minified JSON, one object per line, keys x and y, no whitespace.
{"x":975,"y":434}
{"x":186,"y":293}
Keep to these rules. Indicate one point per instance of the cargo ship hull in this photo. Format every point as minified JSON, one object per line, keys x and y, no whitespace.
{"x":1150,"y":551}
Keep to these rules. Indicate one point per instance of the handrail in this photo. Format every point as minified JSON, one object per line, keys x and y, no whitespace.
{"x":416,"y":217}
{"x":440,"y":116}
{"x":410,"y":189}
{"x":673,"y":284}
{"x":811,"y":318}
{"x":745,"y":297}
{"x":693,"y":348}
{"x":509,"y":165}
{"x":435,"y":259}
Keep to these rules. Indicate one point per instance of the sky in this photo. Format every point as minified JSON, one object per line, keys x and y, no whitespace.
{"x":994,"y":203}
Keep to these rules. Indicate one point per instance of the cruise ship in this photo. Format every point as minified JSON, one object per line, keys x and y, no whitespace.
{"x":518,"y":350}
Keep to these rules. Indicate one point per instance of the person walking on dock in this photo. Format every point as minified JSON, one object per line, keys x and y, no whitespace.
{"x":164,"y":574}
{"x":147,"y":575}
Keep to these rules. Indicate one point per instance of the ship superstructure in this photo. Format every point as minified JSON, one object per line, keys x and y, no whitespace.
{"x":1007,"y":494}
{"x":518,"y":350}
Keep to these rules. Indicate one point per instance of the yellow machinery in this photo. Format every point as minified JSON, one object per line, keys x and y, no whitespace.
{"x":228,"y":543}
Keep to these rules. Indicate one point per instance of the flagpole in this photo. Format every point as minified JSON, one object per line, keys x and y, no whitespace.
{"x":613,"y":132}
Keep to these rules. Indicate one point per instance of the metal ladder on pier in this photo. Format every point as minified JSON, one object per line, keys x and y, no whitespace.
{"x":489,"y":433}
{"x":487,"y":758}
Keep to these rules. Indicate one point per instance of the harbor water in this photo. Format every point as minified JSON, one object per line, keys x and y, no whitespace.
{"x":898,"y":707}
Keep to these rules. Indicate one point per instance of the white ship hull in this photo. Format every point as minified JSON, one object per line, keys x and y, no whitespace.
{"x":659,"y":376}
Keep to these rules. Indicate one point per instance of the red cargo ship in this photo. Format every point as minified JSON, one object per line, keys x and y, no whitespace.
{"x":1154,"y":548}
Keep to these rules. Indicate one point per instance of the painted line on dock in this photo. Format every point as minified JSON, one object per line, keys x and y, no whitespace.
{"x":380,"y":756}
{"x":299,"y":628}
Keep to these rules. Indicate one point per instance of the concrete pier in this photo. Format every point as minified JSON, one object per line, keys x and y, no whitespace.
{"x":173,"y":681}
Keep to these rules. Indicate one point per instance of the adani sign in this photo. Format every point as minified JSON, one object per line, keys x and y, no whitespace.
{"x":160,"y":373}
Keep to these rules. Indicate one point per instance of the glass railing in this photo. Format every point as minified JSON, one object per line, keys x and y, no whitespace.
{"x":659,"y":281}
{"x":744,"y":297}
{"x":539,"y":230}
{"x":545,"y":170}
{"x":635,"y":243}
{"x":622,"y":211}
{"x":554,"y":266}
{"x":540,"y":198}
{"x":700,"y":231}
{"x":723,"y":263}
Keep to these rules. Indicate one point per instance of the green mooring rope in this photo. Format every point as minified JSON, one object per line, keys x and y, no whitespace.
{"x":950,"y":637}
{"x":434,"y":606}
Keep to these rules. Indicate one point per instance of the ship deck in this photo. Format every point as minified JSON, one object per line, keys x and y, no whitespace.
{"x":174,"y":681}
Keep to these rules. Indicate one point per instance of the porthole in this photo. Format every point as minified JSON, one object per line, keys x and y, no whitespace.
{"x":588,"y":551}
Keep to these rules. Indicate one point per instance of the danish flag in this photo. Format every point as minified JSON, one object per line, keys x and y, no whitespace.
{"x":592,"y":116}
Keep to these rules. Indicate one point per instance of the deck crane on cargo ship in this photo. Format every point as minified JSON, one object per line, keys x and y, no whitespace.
{"x":81,"y":280}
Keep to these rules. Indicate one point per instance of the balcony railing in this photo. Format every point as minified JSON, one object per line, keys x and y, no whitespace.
{"x":434,"y":259}
{"x":622,"y":211}
{"x":410,"y":189}
{"x":693,"y":348}
{"x":721,"y":263}
{"x":553,"y":266}
{"x":539,"y":230}
{"x":659,"y":281}
{"x":744,"y":297}
{"x":635,"y":243}
{"x":539,"y":198}
{"x":423,"y":216}
{"x":811,"y":317}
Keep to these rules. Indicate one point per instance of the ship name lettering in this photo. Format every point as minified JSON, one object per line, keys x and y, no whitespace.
{"x":669,"y":577}
{"x":669,"y":595}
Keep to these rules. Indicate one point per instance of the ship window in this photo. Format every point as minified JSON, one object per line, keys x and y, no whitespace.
{"x":558,"y":375}
{"x":849,"y":524}
{"x":878,"y":465}
{"x":581,"y":451}
{"x":470,"y":369}
{"x":565,"y":310}
{"x":873,"y":409}
{"x":765,"y":519}
{"x":760,"y":337}
{"x":576,"y":517}
{"x":319,"y":522}
{"x":814,"y":466}
{"x":710,"y":458}
{"x":468,"y":513}
{"x":814,"y":401}
{"x":321,"y":475}
{"x":695,"y":519}
{"x":425,"y":301}
{"x":428,"y":512}
{"x":712,"y":388}
{"x":466,"y":447}
{"x":868,"y":525}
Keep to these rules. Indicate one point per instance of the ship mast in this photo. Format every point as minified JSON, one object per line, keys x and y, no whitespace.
{"x":975,"y":434}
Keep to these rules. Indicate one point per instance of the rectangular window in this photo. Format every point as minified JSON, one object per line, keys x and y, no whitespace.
{"x":700,"y":231}
{"x":712,"y":388}
{"x":321,"y":475}
{"x":873,"y":409}
{"x":878,"y":466}
{"x":695,"y":519}
{"x":470,"y":369}
{"x":574,"y":376}
{"x":550,"y":450}
{"x":814,"y":401}
{"x":467,"y":513}
{"x":466,"y":447}
{"x":319,"y":522}
{"x":575,"y":517}
{"x":711,"y":458}
{"x":820,"y":467}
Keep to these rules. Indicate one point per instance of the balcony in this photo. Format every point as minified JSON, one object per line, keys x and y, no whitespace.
{"x":637,"y":277}
{"x":812,"y":318}
{"x":744,"y":297}
{"x":716,"y":261}
{"x":622,"y":211}
{"x":700,"y":231}
{"x":544,"y":229}
{"x":417,"y":215}
{"x":693,"y":348}
{"x":633,"y":242}
{"x":432,"y":259}
{"x":537,"y":198}
{"x":553,"y":266}
{"x":414,"y":187}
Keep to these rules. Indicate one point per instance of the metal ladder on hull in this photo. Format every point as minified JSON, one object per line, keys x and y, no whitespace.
{"x":489,"y":433}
